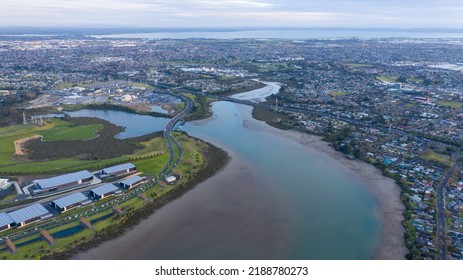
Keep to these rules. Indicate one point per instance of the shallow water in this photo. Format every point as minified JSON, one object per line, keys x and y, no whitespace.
{"x":276,"y":199}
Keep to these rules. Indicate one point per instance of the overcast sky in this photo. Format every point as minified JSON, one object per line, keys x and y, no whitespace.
{"x":233,"y":13}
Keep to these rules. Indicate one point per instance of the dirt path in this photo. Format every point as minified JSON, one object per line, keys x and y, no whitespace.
{"x":18,"y":144}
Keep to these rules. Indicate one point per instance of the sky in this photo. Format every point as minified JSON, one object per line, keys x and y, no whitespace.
{"x":233,"y":13}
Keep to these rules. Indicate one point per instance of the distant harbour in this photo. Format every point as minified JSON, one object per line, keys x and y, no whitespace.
{"x":287,"y":34}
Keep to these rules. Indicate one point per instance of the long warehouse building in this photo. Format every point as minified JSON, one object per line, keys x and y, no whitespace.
{"x":105,"y":191}
{"x":69,"y":202}
{"x":132,"y":182}
{"x":29,"y":214}
{"x":62,"y":181}
{"x":119,"y":169}
{"x":5,"y":222}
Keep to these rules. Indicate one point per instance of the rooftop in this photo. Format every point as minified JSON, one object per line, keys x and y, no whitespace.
{"x":5,"y":219}
{"x":132,"y":180}
{"x":27,"y":213}
{"x":105,"y":189}
{"x":117,"y":168}
{"x":63,"y":179}
{"x":70,"y":200}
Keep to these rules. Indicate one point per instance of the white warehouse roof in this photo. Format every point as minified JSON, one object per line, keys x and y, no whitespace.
{"x":132,"y":180}
{"x":118,"y":168}
{"x":5,"y":219}
{"x":63,"y":179}
{"x":70,"y":200}
{"x":108,"y":188}
{"x":27,"y":213}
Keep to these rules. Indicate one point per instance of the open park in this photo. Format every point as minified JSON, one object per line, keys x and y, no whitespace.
{"x":64,"y":146}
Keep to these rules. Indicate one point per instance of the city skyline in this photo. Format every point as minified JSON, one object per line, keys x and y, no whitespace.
{"x":232,"y":13}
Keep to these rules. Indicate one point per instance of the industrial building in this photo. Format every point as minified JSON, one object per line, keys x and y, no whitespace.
{"x":119,"y":169}
{"x":29,"y":214}
{"x":5,"y":222}
{"x":131,"y":182}
{"x":69,"y":202}
{"x":105,"y":191}
{"x":62,"y":181}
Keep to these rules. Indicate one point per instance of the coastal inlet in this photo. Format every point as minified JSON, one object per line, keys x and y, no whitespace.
{"x":276,"y":199}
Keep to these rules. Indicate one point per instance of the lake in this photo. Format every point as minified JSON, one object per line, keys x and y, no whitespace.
{"x":135,"y":125}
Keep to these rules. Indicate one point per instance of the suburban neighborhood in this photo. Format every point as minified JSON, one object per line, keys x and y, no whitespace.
{"x":394,"y":103}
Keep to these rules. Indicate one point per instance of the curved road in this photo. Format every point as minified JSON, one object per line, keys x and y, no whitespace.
{"x":170,"y":141}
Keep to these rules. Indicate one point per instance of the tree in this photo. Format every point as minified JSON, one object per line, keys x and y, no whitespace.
{"x":67,"y":117}
{"x":401,"y":79}
{"x":346,"y":149}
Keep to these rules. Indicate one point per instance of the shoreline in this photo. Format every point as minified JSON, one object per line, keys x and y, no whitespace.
{"x":231,"y":219}
{"x":384,"y":190}
{"x":213,"y":165}
{"x":391,"y":244}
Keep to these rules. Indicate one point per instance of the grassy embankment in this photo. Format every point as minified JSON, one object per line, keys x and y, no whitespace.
{"x":200,"y":108}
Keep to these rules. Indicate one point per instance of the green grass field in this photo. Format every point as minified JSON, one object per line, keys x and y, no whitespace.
{"x":433,"y":156}
{"x":415,"y":80}
{"x":152,"y":165}
{"x":452,"y":104}
{"x":142,"y":85}
{"x":16,"y":132}
{"x":389,"y":79}
{"x":358,"y":65}
{"x":59,"y":130}
{"x":70,"y":85}
{"x":64,"y":133}
{"x":226,"y":78}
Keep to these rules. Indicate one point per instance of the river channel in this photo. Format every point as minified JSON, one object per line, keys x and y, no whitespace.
{"x":276,"y":199}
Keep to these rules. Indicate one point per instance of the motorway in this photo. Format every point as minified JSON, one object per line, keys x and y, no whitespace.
{"x":170,"y":141}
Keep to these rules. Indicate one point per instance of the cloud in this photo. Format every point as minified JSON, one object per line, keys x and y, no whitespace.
{"x":77,"y":6}
{"x":220,"y":13}
{"x":245,"y":3}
